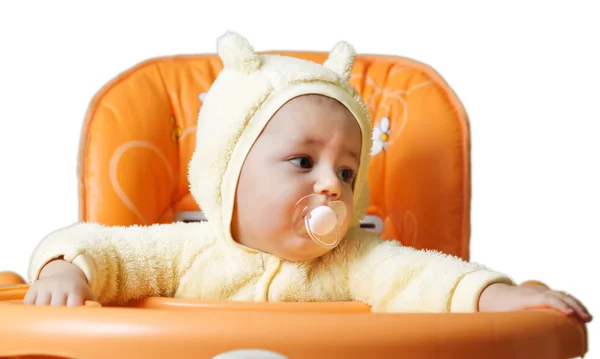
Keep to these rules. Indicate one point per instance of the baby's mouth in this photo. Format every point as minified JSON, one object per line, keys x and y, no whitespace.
{"x":319,"y":219}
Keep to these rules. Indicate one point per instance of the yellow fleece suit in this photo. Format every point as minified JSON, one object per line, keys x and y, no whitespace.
{"x":203,"y":261}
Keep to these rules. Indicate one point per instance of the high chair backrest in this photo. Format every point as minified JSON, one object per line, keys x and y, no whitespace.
{"x":139,"y":134}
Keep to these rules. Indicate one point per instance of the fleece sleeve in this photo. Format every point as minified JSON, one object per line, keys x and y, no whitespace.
{"x":123,"y":263}
{"x":394,"y":278}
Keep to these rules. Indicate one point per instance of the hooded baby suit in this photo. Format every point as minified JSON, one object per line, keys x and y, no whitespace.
{"x":201,"y":260}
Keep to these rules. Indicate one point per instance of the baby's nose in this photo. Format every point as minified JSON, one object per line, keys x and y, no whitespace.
{"x":329,"y":185}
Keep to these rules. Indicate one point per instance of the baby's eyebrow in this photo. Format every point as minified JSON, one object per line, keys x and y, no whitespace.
{"x":353,"y":154}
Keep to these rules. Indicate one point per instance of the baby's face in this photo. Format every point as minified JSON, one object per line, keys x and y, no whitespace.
{"x":310,"y":146}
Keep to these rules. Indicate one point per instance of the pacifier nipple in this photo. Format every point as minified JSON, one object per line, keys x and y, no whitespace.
{"x":319,"y":219}
{"x":322,"y":220}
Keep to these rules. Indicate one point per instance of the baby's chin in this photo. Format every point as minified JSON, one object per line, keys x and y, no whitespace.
{"x":298,"y":249}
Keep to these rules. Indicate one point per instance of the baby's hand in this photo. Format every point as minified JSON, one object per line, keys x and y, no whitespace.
{"x":502,"y":297}
{"x":60,"y":283}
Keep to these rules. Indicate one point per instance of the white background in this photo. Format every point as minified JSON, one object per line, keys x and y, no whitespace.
{"x":527,"y":72}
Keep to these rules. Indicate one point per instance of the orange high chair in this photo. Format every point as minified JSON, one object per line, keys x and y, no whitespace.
{"x":137,"y":138}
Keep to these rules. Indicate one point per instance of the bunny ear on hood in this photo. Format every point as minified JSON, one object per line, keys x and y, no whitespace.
{"x":245,"y":95}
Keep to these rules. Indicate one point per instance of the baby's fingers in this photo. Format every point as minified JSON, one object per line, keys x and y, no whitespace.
{"x":58,"y":298}
{"x":75,"y":299}
{"x":43,"y":298}
{"x":30,"y":297}
{"x":79,"y":296}
{"x":576,"y":305}
{"x":554,"y":301}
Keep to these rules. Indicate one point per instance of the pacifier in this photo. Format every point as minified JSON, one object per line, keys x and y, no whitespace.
{"x":320,"y":219}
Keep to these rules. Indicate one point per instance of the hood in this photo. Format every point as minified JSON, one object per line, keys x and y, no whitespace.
{"x":244,"y":96}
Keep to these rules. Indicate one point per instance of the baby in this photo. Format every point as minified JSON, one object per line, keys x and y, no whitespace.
{"x":279,"y":170}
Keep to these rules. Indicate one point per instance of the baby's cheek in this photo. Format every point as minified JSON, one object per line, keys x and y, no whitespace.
{"x":276,"y":214}
{"x":349,"y":214}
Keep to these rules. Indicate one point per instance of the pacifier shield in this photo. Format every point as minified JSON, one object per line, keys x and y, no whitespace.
{"x":319,"y":219}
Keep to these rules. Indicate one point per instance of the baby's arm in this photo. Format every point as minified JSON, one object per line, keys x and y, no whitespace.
{"x":394,"y":278}
{"x":123,"y":263}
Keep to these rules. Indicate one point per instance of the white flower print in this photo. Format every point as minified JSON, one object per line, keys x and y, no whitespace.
{"x":381,"y":135}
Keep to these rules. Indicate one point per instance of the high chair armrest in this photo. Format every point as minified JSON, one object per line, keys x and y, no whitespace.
{"x":10,"y":278}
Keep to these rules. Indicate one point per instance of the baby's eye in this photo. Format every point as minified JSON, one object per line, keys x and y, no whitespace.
{"x":347,"y":175}
{"x":304,"y":162}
